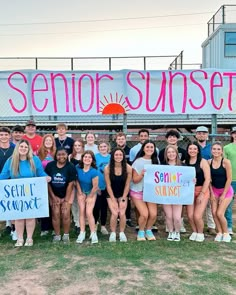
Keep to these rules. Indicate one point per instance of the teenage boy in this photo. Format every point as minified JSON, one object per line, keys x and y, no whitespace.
{"x":202,"y":135}
{"x":172,"y":137}
{"x":121,"y":142}
{"x":143,"y":135}
{"x":6,"y":150}
{"x":34,"y":139}
{"x":63,"y":140}
{"x":17,"y":134}
{"x":230,"y":153}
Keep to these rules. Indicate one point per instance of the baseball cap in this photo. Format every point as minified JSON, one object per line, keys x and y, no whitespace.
{"x":233,"y":130}
{"x":202,"y":129}
{"x":30,"y":122}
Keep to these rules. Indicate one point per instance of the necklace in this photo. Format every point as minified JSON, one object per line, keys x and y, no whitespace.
{"x":4,"y":152}
{"x":61,"y":141}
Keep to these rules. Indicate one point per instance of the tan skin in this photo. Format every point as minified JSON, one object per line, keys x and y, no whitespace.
{"x":219,"y":205}
{"x":147,"y":211}
{"x":86,"y":203}
{"x":117,"y":205}
{"x":195,"y":212}
{"x":61,"y":207}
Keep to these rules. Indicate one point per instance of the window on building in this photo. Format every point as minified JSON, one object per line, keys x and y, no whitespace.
{"x":230,"y":44}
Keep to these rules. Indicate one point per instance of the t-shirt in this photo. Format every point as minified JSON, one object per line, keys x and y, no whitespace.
{"x":5,"y":154}
{"x":85,"y":178}
{"x":24,"y":169}
{"x":93,"y":148}
{"x":101,"y":162}
{"x":230,"y":153}
{"x":134,"y":151}
{"x":35,"y":142}
{"x":181,"y":152}
{"x":206,"y":151}
{"x":61,"y":177}
{"x":67,"y":143}
{"x":138,"y":166}
{"x":46,"y":160}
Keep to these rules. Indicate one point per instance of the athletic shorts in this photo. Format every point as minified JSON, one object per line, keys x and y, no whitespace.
{"x":218,"y":192}
{"x":197,"y":191}
{"x":136,"y":195}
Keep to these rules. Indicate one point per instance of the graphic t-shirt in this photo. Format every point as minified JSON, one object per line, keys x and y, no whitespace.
{"x":61,"y":177}
{"x":67,"y":143}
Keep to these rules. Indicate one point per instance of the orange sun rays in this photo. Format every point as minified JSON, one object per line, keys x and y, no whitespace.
{"x":113,"y":106}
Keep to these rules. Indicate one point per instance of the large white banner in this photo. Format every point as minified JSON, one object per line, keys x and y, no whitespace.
{"x":166,"y":184}
{"x":25,"y":93}
{"x":23,"y":198}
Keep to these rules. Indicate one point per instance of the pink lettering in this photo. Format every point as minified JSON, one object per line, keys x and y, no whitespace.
{"x":18,"y":90}
{"x":140,"y":95}
{"x":33,"y":90}
{"x":91,"y":92}
{"x":184,"y":99}
{"x":230,"y":75}
{"x":215,"y":85}
{"x":201,"y":88}
{"x":162,"y":96}
{"x":54,"y":96}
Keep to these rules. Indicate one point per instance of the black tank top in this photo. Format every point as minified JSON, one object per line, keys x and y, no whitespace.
{"x":199,"y":173}
{"x":218,"y":176}
{"x":118,"y":185}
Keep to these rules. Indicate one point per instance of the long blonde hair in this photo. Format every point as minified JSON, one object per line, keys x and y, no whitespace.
{"x":15,"y":163}
{"x":177,"y":160}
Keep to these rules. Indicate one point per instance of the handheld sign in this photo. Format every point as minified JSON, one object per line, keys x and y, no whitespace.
{"x":23,"y":198}
{"x":166,"y":184}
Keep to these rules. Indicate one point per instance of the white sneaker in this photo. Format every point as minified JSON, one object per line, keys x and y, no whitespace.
{"x":226,"y":238}
{"x":193,"y":236}
{"x":81,"y":237}
{"x":104,"y":231}
{"x":56,"y":238}
{"x":176,"y":237}
{"x":14,"y":235}
{"x":112,"y":237}
{"x":230,"y":231}
{"x":66,"y":238}
{"x":200,"y":237}
{"x":170,"y":236}
{"x":94,"y":238}
{"x":123,"y":237}
{"x":219,"y":237}
{"x":43,"y":233}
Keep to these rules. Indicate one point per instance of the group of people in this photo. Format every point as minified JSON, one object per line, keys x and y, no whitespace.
{"x":86,"y":178}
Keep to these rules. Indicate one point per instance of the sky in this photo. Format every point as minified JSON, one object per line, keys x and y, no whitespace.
{"x":92,"y":28}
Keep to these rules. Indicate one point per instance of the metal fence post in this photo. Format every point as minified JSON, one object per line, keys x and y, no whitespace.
{"x":214,"y":124}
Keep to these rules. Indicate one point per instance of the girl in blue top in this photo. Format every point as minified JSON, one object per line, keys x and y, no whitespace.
{"x":100,"y":208}
{"x":23,"y":164}
{"x":87,"y":186}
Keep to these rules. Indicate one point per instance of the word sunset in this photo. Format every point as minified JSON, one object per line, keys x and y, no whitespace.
{"x":23,"y":198}
{"x":164,"y":184}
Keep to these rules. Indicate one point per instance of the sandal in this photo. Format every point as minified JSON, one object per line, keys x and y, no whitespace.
{"x":19,"y":243}
{"x":29,"y":243}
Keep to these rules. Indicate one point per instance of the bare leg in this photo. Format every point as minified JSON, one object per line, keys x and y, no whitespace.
{"x":65,"y":212}
{"x":152,"y":215}
{"x":143,"y":213}
{"x":20,"y":225}
{"x":169,"y":217}
{"x":177,"y":211}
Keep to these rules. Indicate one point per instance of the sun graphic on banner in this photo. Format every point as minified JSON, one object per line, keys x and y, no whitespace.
{"x":113,"y":106}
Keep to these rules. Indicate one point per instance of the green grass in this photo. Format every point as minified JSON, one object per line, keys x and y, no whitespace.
{"x":158,"y":267}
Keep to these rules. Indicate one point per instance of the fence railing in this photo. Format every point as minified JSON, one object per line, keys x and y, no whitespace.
{"x":225,"y":14}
